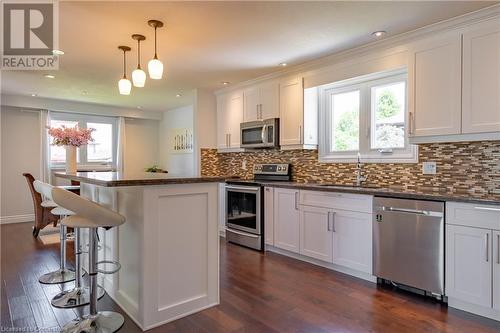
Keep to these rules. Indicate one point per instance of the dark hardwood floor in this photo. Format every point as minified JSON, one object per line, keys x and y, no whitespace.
{"x":259,"y":293}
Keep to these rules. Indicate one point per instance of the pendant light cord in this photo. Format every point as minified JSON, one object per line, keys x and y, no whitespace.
{"x":138,"y":54}
{"x":156,"y":57}
{"x":124,"y":65}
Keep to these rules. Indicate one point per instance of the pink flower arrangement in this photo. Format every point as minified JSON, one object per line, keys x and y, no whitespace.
{"x":70,"y":136}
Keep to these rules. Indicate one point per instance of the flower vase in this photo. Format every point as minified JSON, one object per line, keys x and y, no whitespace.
{"x":70,"y":159}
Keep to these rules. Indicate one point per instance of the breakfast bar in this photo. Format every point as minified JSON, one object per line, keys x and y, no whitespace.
{"x":168,"y":247}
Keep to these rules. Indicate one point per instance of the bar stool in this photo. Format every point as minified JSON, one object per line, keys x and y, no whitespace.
{"x":92,"y":216}
{"x":79,"y":295}
{"x":63,"y":274}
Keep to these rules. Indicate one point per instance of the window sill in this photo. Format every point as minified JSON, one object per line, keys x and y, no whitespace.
{"x":84,"y":168}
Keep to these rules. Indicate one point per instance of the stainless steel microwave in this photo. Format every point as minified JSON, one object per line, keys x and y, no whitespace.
{"x":260,"y":134}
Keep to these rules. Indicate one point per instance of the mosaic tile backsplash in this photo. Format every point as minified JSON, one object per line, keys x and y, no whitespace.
{"x":465,"y":167}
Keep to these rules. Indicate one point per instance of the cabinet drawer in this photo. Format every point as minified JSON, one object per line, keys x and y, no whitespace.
{"x":473,"y":215}
{"x":346,"y":201}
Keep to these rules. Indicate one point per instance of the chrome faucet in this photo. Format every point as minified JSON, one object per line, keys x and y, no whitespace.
{"x":360,"y":178}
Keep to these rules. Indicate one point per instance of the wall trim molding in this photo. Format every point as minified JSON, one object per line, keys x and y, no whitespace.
{"x":17,"y":219}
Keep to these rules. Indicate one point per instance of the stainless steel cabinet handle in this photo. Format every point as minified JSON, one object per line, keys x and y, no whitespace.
{"x":300,"y":134}
{"x":229,"y":139}
{"x":411,"y":122}
{"x":487,"y":208}
{"x":328,"y":228}
{"x":487,"y":247}
{"x":498,"y":249}
{"x":296,"y":200}
{"x":333,"y":222}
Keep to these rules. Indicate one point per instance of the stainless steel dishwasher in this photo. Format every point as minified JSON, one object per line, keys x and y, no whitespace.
{"x":408,"y":243}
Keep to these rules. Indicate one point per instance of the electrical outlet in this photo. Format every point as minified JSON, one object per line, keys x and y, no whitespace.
{"x":244,"y":164}
{"x":429,"y":168}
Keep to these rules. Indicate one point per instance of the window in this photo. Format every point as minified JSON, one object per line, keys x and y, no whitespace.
{"x":365,"y":115}
{"x":101,"y":152}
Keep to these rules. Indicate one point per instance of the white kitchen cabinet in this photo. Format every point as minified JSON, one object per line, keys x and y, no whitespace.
{"x":434,"y":86}
{"x":298,"y":125}
{"x":316,"y":239}
{"x":229,"y":117}
{"x":469,"y":265}
{"x":496,"y":271}
{"x":269,"y":215}
{"x":481,"y":78}
{"x":352,"y":240}
{"x":286,"y":219}
{"x":261,"y":101}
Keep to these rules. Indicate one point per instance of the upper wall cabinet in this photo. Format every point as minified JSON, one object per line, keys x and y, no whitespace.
{"x":261,"y":101}
{"x":454,"y":84}
{"x":229,"y":117}
{"x":434,"y":86}
{"x":298,"y":115}
{"x":481,"y":78}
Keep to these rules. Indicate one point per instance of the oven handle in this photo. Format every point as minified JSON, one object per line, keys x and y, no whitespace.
{"x":242,"y":233}
{"x":243,"y":188}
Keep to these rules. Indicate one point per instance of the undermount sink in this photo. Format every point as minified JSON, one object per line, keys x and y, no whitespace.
{"x":350,"y":185}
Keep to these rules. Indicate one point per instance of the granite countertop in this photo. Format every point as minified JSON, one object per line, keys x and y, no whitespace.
{"x":115,"y":179}
{"x":425,"y":193}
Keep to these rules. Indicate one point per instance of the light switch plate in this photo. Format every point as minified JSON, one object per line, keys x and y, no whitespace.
{"x":429,"y":168}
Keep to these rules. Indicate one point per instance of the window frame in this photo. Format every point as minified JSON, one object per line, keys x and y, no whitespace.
{"x":82,"y":120}
{"x":365,"y":83}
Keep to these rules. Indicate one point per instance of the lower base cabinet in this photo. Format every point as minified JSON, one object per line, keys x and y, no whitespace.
{"x":468,"y":268}
{"x":472,"y":262}
{"x":286,"y":219}
{"x":352,"y":240}
{"x":316,"y":235}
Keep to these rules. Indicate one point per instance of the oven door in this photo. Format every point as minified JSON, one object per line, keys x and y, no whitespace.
{"x":243,"y":208}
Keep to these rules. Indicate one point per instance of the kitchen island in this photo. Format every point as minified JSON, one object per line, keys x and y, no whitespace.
{"x":168,"y":247}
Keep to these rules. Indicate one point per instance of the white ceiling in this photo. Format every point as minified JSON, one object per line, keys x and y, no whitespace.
{"x":205,"y":43}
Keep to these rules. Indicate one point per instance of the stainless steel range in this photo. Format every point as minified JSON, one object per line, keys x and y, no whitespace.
{"x":245,"y":205}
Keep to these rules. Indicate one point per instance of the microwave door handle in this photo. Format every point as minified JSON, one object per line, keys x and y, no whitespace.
{"x":263,"y":135}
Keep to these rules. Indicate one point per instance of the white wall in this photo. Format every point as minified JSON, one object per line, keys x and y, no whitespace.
{"x":205,"y":123}
{"x":141,"y":144}
{"x":20,"y":152}
{"x":176,"y":164}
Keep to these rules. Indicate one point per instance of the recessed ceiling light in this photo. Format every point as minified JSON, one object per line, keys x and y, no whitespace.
{"x":178,"y":95}
{"x":283,"y":64}
{"x":49,"y":76}
{"x":34,"y":95}
{"x":225,"y":83}
{"x":57,"y":52}
{"x":85,"y":92}
{"x":139,"y":107}
{"x":379,"y":34}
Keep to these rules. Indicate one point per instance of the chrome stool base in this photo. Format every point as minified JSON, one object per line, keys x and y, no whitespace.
{"x":75,"y":297}
{"x":102,"y":322}
{"x":59,"y":276}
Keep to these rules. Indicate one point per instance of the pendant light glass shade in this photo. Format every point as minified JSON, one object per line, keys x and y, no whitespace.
{"x":155,"y":69}
{"x":138,"y":78}
{"x":155,"y":66}
{"x":138,"y":75}
{"x":124,"y":86}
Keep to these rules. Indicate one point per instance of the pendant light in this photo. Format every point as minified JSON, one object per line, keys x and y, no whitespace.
{"x":124,"y":85}
{"x":155,"y":66}
{"x":138,"y":75}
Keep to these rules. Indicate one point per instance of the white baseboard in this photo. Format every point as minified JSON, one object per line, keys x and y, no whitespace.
{"x":17,"y":218}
